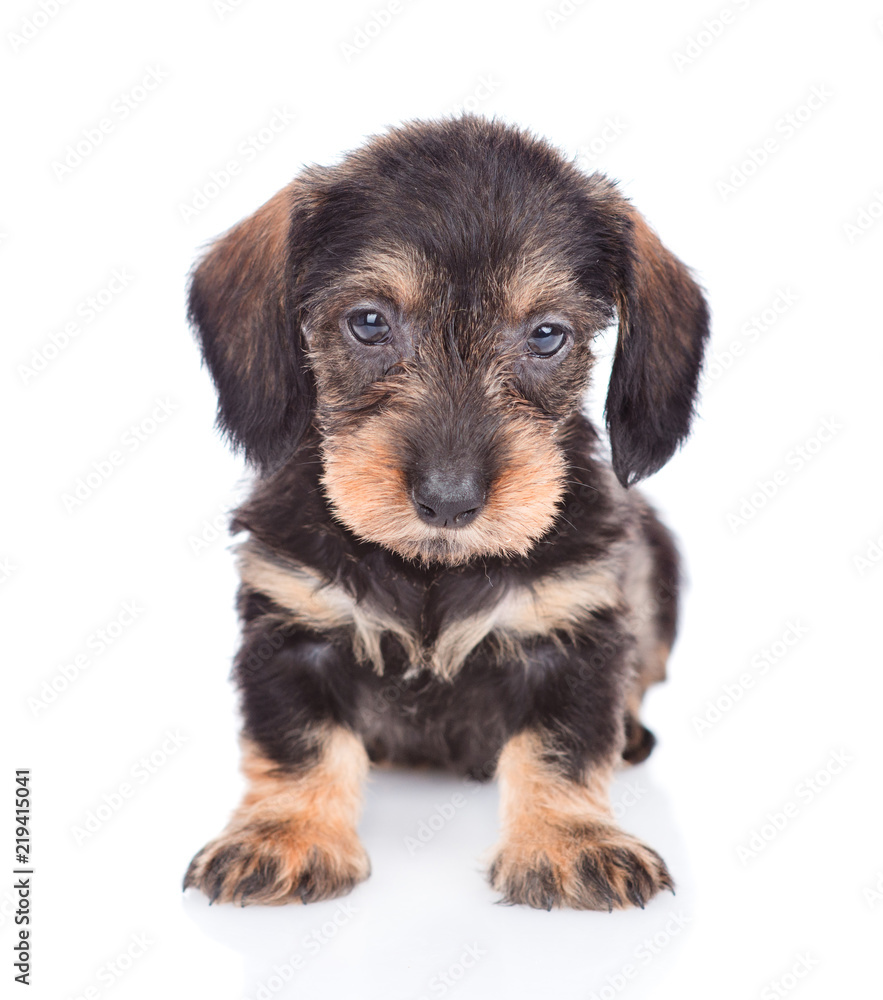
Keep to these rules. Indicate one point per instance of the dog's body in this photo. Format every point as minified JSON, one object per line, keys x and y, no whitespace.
{"x":441,"y":567}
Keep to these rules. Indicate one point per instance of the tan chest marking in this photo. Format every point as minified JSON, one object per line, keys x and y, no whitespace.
{"x":309,"y":600}
{"x":557,"y":602}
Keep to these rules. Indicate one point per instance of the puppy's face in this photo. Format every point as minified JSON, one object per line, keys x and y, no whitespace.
{"x":429,"y":307}
{"x":443,"y":380}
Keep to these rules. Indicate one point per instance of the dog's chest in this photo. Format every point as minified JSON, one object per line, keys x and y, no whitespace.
{"x":436,"y":624}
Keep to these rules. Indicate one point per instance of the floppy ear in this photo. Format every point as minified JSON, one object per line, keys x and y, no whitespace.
{"x":244,"y":308}
{"x":663,"y":327}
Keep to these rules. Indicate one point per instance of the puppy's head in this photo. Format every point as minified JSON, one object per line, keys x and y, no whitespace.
{"x":428,"y":306}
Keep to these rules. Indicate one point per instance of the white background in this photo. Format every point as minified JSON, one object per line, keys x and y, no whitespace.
{"x":671,"y":108}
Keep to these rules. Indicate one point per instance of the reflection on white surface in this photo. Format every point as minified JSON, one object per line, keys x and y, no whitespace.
{"x":426,"y":923}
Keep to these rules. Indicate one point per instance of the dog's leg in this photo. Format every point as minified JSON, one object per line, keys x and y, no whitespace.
{"x":293,"y":838}
{"x":560,"y":844}
{"x":651,"y":587}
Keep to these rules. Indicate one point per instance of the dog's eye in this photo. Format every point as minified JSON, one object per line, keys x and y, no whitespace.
{"x":546,"y":340}
{"x":369,"y":327}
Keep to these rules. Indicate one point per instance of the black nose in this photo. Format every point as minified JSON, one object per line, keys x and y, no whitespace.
{"x":448,"y":499}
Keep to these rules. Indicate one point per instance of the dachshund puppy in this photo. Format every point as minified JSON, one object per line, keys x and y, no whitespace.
{"x":442,"y":568}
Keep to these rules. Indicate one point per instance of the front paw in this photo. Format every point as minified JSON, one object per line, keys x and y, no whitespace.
{"x":273,"y":863}
{"x":590,"y":866}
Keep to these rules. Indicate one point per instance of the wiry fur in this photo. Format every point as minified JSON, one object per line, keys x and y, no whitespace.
{"x":522,"y":640}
